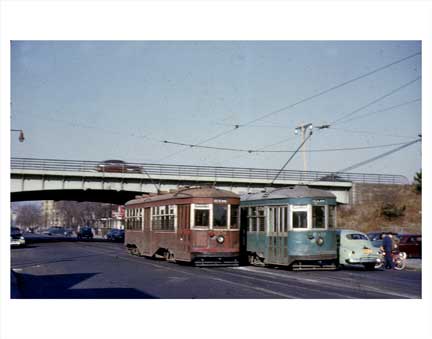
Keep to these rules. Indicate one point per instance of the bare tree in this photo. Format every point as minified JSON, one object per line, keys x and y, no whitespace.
{"x":82,"y":213}
{"x":28,"y":215}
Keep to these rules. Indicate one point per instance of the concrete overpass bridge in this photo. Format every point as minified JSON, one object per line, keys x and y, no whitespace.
{"x":54,"y":179}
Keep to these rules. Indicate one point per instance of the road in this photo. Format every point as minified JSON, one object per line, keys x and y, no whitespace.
{"x":100,"y":269}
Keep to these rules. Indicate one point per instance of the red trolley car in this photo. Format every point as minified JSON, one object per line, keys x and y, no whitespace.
{"x":196,"y":224}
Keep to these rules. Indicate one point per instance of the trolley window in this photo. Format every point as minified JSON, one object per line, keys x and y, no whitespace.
{"x":202,"y":218}
{"x":299,"y":219}
{"x":331,"y":216}
{"x":257,"y":219}
{"x":234,"y":216}
{"x":318,"y":216}
{"x":220,"y":215}
{"x":163,"y":218}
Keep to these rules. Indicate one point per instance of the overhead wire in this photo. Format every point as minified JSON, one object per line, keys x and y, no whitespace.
{"x":237,"y":126}
{"x":292,"y":156}
{"x":375,"y":101}
{"x":378,"y":156}
{"x":381,"y":110}
{"x":286,"y":151}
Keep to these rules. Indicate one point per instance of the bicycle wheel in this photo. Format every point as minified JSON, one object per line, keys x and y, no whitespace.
{"x":399,"y":264}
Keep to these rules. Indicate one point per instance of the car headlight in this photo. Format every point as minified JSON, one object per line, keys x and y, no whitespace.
{"x":21,"y":237}
{"x":320,"y":241}
{"x":220,"y":239}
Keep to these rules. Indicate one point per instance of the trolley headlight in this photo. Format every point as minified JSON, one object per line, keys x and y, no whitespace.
{"x":320,"y":241}
{"x":220,"y":239}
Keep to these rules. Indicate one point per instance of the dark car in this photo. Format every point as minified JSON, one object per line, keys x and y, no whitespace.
{"x":57,"y":231}
{"x":117,"y":166}
{"x":17,"y":238}
{"x":411,"y":244}
{"x":115,"y":234}
{"x":85,"y":232}
{"x":332,"y":177}
{"x":377,"y":238}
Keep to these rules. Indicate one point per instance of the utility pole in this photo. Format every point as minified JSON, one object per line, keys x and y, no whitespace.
{"x":303,"y":128}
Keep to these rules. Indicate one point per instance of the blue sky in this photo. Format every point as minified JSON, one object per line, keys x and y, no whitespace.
{"x":119,"y":100}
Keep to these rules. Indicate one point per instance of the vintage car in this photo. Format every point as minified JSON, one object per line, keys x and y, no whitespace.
{"x":117,"y":166}
{"x":85,"y":232}
{"x":411,"y":244}
{"x":355,"y":248}
{"x":115,"y":235}
{"x":17,"y":239}
{"x":377,"y":238}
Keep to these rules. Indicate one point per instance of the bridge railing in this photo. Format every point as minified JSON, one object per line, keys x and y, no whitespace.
{"x":159,"y":170}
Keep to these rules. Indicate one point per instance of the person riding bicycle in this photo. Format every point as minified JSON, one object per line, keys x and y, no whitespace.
{"x":388,"y":247}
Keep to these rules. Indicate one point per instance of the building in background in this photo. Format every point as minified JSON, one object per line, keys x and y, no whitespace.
{"x":52,"y":216}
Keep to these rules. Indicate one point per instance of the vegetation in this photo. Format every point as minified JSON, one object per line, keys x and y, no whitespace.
{"x":391,"y":211}
{"x":28,"y":215}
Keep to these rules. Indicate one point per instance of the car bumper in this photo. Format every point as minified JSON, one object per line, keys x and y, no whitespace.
{"x":365,"y":260}
{"x":17,"y":242}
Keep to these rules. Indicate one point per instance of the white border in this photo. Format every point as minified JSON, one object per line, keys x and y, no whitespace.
{"x":240,"y":20}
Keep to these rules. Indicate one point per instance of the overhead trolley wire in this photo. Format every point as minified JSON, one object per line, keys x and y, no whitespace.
{"x":290,"y":158}
{"x":378,"y":156}
{"x":375,"y":101}
{"x":381,"y":110}
{"x":236,"y":127}
{"x":286,"y":151}
{"x":331,"y":89}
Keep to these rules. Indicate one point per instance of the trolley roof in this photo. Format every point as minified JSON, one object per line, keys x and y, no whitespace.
{"x":185,"y":193}
{"x":292,"y":193}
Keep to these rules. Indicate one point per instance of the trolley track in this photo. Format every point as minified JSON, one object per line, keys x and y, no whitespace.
{"x":167,"y":280}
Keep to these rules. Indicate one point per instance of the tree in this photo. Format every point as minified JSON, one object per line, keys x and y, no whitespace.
{"x":28,"y":215}
{"x":391,"y":211}
{"x":418,"y":181}
{"x":82,"y":213}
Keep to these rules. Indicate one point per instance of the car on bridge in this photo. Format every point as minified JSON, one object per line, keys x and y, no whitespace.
{"x":117,"y":166}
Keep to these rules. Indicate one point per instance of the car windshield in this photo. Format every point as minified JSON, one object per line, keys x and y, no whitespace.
{"x":357,"y":236}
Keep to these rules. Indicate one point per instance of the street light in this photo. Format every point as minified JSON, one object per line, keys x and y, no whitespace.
{"x":21,"y":134}
{"x":303,"y":129}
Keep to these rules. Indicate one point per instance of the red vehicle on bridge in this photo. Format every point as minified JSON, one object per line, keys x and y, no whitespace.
{"x":195,"y":224}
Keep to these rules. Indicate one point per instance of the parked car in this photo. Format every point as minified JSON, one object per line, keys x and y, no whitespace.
{"x":117,"y":166}
{"x":17,"y":238}
{"x":115,"y":234}
{"x":58,"y":231}
{"x":355,"y":248}
{"x":411,"y":244}
{"x":377,"y":237}
{"x":85,"y":232}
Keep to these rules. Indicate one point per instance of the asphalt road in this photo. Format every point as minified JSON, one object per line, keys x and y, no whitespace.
{"x":100,"y":269}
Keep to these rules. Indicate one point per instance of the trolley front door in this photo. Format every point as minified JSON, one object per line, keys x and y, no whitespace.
{"x":183,"y":233}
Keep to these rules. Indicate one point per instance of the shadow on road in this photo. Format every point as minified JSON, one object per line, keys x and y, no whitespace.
{"x":34,"y":239}
{"x":59,"y":286}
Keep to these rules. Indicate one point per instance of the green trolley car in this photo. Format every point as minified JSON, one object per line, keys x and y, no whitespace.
{"x":290,"y":226}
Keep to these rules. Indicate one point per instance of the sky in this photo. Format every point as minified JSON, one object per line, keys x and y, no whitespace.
{"x":97,"y":100}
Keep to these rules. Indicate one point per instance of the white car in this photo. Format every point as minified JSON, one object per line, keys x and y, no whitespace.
{"x":17,"y":239}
